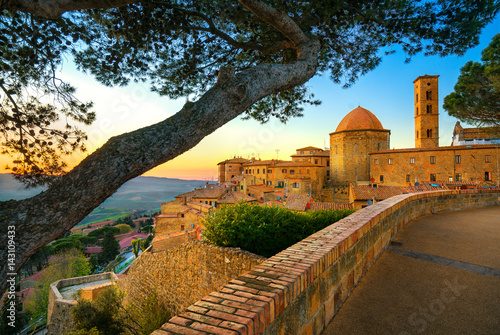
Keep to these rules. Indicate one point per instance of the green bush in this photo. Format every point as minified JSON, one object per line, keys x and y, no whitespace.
{"x":265,"y":230}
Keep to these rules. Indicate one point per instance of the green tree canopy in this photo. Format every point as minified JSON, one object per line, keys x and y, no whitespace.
{"x":476,"y":99}
{"x":110,"y":248}
{"x":231,"y":58}
{"x":71,"y":263}
{"x":100,"y":232}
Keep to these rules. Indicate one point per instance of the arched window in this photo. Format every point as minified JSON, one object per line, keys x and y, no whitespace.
{"x":429,"y":133}
{"x":429,"y":109}
{"x":428,"y":95}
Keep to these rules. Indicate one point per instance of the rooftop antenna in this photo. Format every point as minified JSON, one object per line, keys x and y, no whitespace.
{"x":277,"y":152}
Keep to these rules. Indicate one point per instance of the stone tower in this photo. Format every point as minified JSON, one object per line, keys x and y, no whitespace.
{"x":359,"y":133}
{"x":426,"y":112}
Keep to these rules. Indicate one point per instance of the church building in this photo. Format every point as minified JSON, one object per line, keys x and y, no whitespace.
{"x":360,"y":148}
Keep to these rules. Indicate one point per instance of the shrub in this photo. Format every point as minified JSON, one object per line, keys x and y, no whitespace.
{"x":265,"y":230}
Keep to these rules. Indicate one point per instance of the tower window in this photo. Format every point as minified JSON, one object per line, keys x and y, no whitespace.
{"x":417,"y":133}
{"x":433,"y":159}
{"x":416,"y":97}
{"x":417,"y":110}
{"x":429,"y":133}
{"x":429,"y":109}
{"x":428,"y":95}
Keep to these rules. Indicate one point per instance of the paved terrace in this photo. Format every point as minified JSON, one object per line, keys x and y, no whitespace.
{"x":440,"y":275}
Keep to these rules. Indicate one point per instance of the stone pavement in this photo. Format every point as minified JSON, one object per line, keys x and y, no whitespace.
{"x":440,"y":275}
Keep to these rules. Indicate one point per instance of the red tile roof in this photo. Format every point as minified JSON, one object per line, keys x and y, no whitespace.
{"x":235,"y":197}
{"x":273,"y":203}
{"x":308,"y":148}
{"x":359,"y":119}
{"x":93,"y":250}
{"x":298,"y":202}
{"x":237,"y":160}
{"x":127,"y":242}
{"x":261,"y":188}
{"x":210,"y":191}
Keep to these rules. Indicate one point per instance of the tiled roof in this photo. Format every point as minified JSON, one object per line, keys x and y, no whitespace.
{"x":328,"y":205}
{"x":238,"y":160}
{"x":35,"y":276}
{"x":259,"y":162}
{"x":316,"y":154}
{"x":308,"y":148}
{"x":209,"y":191}
{"x":234,"y":197}
{"x":298,"y":202}
{"x":171,"y":216}
{"x":127,"y":242}
{"x":359,"y":119}
{"x":93,"y":250}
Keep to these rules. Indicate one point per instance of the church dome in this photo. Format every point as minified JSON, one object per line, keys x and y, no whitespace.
{"x":359,"y":118}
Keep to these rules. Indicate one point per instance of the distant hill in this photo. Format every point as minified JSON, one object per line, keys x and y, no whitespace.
{"x":141,"y":193}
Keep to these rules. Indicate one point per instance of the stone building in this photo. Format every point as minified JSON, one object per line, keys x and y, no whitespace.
{"x":230,"y":168}
{"x":359,"y":148}
{"x":357,"y":135}
{"x":314,"y":155}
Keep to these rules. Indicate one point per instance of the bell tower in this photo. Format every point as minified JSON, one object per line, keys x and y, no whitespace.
{"x":426,"y":112}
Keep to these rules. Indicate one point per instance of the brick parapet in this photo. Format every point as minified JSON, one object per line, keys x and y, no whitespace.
{"x":300,"y":289}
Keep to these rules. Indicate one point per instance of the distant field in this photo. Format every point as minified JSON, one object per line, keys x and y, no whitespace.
{"x":104,"y":214}
{"x":140,"y":194}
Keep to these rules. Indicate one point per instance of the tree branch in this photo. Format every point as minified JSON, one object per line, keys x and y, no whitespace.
{"x":53,"y":9}
{"x":49,"y":215}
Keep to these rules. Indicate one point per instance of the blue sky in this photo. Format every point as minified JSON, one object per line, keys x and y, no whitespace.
{"x":386,"y":91}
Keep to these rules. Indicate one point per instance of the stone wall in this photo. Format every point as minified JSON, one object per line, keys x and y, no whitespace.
{"x":472,"y":166}
{"x":183,"y":275}
{"x":299,"y":290}
{"x":59,"y":319}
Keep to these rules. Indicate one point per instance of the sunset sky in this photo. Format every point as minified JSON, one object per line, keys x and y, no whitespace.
{"x":387,"y":92}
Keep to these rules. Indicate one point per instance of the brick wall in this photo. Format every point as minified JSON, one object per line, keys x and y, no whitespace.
{"x":299,"y":290}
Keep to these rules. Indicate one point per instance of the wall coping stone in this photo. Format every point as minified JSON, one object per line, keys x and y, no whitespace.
{"x":250,"y":303}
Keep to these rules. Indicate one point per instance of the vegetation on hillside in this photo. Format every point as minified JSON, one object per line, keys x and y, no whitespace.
{"x":265,"y":230}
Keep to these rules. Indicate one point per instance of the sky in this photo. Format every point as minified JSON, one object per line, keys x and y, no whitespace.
{"x":386,"y":91}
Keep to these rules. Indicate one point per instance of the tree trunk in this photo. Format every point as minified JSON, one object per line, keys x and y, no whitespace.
{"x":49,"y":215}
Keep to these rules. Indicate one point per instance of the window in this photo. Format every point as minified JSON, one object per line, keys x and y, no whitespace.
{"x":295,"y":185}
{"x":458,"y":159}
{"x":408,"y":178}
{"x":302,"y":152}
{"x":487,"y":159}
{"x":433,"y":159}
{"x":381,"y":178}
{"x":429,"y":109}
{"x":230,"y":167}
{"x":241,"y":169}
{"x":390,"y":161}
{"x":328,"y":173}
{"x":315,"y":161}
{"x":458,"y":177}
{"x":206,"y":202}
{"x":433,"y":177}
{"x":416,"y":97}
{"x":258,"y":170}
{"x":428,"y":95}
{"x":283,"y":171}
{"x":429,"y":133}
{"x":269,"y":183}
{"x":182,"y":227}
{"x":375,"y":161}
{"x":412,"y":160}
{"x":182,"y":215}
{"x":487,"y":176}
{"x":378,"y":146}
{"x":417,"y":133}
{"x":335,"y":149}
{"x":269,"y":171}
{"x":328,"y":163}
{"x":292,"y":171}
{"x":450,"y":178}
{"x":417,"y":111}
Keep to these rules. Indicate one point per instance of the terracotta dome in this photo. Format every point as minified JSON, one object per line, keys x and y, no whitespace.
{"x":359,"y":118}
